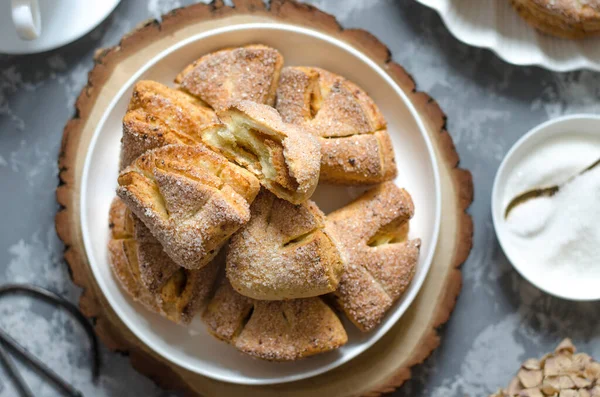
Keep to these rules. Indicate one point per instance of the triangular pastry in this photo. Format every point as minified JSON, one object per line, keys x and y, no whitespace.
{"x":355,"y":145}
{"x":122,"y":252}
{"x":174,"y":292}
{"x":284,"y":252}
{"x":285,"y":158}
{"x":157,"y":116}
{"x":156,"y":267}
{"x":190,"y":198}
{"x":234,"y":74}
{"x":381,"y":261}
{"x":273,"y":330}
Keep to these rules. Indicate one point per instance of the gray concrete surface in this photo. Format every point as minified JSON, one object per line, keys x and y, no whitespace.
{"x":500,"y":319}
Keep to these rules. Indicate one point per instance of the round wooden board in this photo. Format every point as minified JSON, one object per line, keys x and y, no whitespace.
{"x":387,"y":364}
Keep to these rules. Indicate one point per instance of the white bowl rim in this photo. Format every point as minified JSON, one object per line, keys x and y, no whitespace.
{"x":407,"y":299}
{"x":537,"y":130}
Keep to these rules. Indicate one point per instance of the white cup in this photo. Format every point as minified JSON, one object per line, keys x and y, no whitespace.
{"x":26,"y":17}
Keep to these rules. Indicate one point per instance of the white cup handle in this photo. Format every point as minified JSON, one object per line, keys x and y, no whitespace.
{"x":26,"y":17}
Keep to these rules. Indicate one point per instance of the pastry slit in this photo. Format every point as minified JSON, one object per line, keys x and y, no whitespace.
{"x":300,"y":239}
{"x":392,"y":233}
{"x":243,"y":322}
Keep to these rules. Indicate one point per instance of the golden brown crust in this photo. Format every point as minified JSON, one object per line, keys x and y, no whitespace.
{"x":274,"y":330}
{"x":158,"y":115}
{"x":234,"y":74}
{"x":571,"y":19}
{"x":355,"y":146}
{"x":380,"y":261}
{"x":123,"y":255}
{"x":190,"y":198}
{"x":358,"y":159}
{"x":284,"y":157}
{"x":284,"y":252}
{"x":187,"y":291}
{"x":176,"y":293}
{"x":155,"y":266}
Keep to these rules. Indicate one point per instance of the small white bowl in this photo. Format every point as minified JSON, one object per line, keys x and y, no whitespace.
{"x":192,"y":347}
{"x":568,"y":129}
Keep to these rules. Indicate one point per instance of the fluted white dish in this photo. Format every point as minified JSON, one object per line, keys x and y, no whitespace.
{"x":495,"y":25}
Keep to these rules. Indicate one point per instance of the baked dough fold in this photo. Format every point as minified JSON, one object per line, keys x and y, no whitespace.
{"x":381,"y":261}
{"x":234,"y":74}
{"x":190,"y":198}
{"x":355,"y":145}
{"x":284,"y":252}
{"x":284,"y":157}
{"x":149,"y":276}
{"x":273,"y":330}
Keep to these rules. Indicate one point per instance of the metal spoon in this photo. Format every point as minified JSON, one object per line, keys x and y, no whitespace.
{"x":543,"y":191}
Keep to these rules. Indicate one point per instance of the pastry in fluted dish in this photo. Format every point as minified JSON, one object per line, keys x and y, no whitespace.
{"x":149,"y":276}
{"x":571,"y":19}
{"x":355,"y":145}
{"x":284,"y":252}
{"x":234,"y":74}
{"x":284,"y":157}
{"x":273,"y":330}
{"x":190,"y":198}
{"x":380,"y":260}
{"x":157,"y":116}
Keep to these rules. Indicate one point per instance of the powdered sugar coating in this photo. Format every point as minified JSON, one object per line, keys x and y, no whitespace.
{"x":177,"y":193}
{"x":157,"y":116}
{"x":355,"y":146}
{"x":380,"y":263}
{"x":283,"y":252}
{"x":174,"y":292}
{"x":234,"y":74}
{"x":274,"y":330}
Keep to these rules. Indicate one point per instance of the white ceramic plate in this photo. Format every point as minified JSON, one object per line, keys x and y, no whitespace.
{"x":63,"y":21}
{"x":193,"y":348}
{"x":494,"y":24}
{"x":579,"y":133}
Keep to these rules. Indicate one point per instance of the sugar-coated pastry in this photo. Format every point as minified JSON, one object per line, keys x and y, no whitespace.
{"x":381,"y":261}
{"x":355,"y":145}
{"x":570,"y":19}
{"x":284,"y":157}
{"x":157,"y":116}
{"x":234,"y":74}
{"x":190,"y":198}
{"x":273,"y":330}
{"x":150,"y":276}
{"x":284,"y":252}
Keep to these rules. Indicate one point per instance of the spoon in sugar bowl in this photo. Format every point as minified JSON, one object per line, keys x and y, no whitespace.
{"x":548,"y":191}
{"x":551,"y":235}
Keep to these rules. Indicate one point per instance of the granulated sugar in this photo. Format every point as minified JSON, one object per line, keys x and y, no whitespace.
{"x":557,"y":238}
{"x":563,"y":230}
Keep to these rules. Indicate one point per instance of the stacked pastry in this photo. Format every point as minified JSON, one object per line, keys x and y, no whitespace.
{"x":226,"y":163}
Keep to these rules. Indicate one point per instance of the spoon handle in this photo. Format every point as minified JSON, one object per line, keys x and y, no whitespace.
{"x":544,"y":191}
{"x":528,"y":195}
